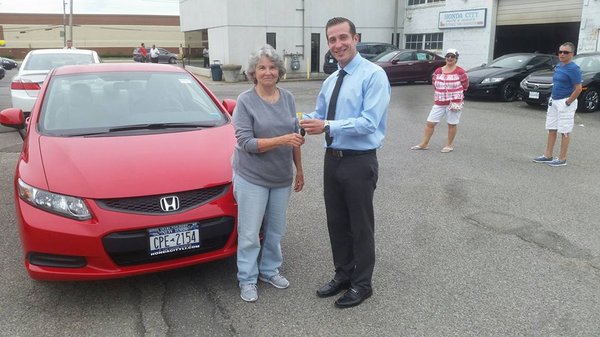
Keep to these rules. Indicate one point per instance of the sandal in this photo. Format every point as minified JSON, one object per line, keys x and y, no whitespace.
{"x":419,"y":147}
{"x":447,"y":149}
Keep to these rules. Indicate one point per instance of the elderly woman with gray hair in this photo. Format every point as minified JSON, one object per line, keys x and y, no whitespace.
{"x":267,"y":149}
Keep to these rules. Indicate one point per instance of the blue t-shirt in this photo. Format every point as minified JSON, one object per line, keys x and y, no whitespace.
{"x":566,"y":76}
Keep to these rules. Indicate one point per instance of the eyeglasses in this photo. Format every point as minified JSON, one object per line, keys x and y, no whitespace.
{"x":564,"y":52}
{"x":450,"y":56}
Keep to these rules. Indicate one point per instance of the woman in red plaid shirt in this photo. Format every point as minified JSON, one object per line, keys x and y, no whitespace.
{"x":449,"y":81}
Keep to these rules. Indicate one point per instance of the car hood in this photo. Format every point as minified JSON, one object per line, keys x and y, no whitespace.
{"x":545,"y":76}
{"x":127,"y":166}
{"x":479,"y":73}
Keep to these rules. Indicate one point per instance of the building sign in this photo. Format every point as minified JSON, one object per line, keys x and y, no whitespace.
{"x":473,"y":18}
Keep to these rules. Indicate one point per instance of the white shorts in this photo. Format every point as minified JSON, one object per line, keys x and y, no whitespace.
{"x":559,"y":116}
{"x":439,"y":111}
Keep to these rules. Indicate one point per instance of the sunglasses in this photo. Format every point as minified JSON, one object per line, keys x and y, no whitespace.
{"x":564,"y":52}
{"x":450,"y":56}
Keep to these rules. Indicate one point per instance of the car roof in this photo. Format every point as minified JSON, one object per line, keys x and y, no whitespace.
{"x":117,"y":67}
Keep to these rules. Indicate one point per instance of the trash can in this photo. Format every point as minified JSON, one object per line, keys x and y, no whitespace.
{"x":216,"y":72}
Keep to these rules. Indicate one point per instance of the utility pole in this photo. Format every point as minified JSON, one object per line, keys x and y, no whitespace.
{"x":71,"y":22}
{"x":64,"y":23}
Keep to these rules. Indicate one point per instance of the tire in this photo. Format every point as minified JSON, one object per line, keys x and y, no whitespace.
{"x":508,"y":91}
{"x":589,"y":100}
{"x":172,"y":60}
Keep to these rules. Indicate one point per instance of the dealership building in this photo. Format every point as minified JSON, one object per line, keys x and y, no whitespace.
{"x":480,"y":29}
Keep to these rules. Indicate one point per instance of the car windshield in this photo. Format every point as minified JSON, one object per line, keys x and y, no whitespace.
{"x":110,"y":102}
{"x":512,"y":62}
{"x":385,"y":56}
{"x":50,"y":61}
{"x":588,"y":63}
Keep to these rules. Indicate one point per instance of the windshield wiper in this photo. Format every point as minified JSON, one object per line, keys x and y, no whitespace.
{"x":160,"y":126}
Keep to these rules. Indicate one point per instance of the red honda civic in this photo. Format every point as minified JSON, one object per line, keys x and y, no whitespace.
{"x":125,"y":170}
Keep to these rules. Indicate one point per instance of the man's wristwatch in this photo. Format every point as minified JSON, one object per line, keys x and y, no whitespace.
{"x":326,"y":126}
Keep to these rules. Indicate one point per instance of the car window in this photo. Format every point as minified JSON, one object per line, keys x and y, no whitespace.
{"x":50,"y":61}
{"x":408,"y":56}
{"x":513,"y":61}
{"x":588,"y":63}
{"x":539,"y":60}
{"x":108,"y":100}
{"x":422,"y":56}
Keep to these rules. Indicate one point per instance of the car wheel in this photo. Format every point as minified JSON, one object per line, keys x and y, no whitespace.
{"x":589,"y":100}
{"x":172,"y":60}
{"x":508,"y":91}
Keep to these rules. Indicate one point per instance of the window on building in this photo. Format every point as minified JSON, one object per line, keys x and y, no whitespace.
{"x":420,"y":2}
{"x":272,"y":40}
{"x":429,"y":41}
{"x":434,"y":41}
{"x":414,"y":41}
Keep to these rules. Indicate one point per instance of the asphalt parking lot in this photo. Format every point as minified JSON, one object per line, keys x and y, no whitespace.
{"x":477,"y":242}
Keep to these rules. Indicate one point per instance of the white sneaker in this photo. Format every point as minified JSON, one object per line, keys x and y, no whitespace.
{"x":277,"y":281}
{"x":249,"y":292}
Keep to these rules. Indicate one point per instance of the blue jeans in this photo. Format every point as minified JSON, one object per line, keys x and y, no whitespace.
{"x":259,"y":206}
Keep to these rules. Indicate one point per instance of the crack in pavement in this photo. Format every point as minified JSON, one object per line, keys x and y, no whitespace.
{"x":532,"y":232}
{"x":151,"y":300}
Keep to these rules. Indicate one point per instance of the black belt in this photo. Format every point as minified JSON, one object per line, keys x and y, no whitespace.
{"x":346,"y":153}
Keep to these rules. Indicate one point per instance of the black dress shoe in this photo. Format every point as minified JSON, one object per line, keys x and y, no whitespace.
{"x":353,"y":297}
{"x":332,"y":288}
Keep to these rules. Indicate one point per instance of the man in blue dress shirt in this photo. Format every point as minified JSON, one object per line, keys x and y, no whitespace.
{"x":351,"y":110}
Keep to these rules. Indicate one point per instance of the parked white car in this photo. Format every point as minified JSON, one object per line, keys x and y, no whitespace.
{"x":26,"y":85}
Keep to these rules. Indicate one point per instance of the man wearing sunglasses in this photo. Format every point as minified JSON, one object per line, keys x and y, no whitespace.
{"x":560,"y":117}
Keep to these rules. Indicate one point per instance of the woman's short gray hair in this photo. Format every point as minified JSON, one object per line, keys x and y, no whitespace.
{"x":255,"y":57}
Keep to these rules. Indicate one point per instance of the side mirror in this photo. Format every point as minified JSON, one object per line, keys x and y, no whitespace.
{"x":483,"y":64}
{"x":12,"y":117}
{"x":395,"y":61}
{"x":229,"y":105}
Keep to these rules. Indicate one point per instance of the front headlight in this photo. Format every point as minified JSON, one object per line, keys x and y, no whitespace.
{"x":492,"y":80}
{"x":70,"y":207}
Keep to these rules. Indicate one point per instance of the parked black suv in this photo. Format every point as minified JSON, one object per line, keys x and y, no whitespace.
{"x":367,"y":50}
{"x":537,"y":87}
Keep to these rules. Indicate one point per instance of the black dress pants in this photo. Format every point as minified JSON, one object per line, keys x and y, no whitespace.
{"x":349,"y":186}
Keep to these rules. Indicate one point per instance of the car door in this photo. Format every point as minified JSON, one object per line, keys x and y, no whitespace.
{"x":424,"y":65}
{"x":402,"y":67}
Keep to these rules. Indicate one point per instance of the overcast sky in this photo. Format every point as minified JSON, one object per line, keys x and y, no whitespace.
{"x":153,"y":7}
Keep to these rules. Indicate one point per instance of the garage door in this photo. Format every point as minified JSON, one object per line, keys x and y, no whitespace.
{"x":526,"y":12}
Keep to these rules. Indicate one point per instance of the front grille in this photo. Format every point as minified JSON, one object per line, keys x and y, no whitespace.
{"x":538,"y":86}
{"x":151,"y":204}
{"x":133,"y":247}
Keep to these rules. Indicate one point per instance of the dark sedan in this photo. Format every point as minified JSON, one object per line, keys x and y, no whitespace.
{"x":164,"y":56}
{"x":537,"y":87}
{"x":8,"y":64}
{"x":501,"y":78}
{"x":409,"y":65}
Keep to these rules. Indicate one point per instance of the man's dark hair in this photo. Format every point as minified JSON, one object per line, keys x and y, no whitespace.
{"x":337,"y":20}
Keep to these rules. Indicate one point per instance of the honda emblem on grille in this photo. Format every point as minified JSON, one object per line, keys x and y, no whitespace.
{"x":169,"y":204}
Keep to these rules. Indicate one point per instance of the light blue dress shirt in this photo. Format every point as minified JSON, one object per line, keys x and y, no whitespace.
{"x":362,"y":107}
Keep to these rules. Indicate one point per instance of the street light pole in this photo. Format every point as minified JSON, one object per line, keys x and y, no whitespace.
{"x":64,"y":23}
{"x":71,"y":22}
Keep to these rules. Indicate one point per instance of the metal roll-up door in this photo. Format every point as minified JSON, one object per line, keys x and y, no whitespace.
{"x":527,"y":12}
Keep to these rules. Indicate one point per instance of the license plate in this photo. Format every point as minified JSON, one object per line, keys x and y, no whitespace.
{"x":173,"y":238}
{"x":534,"y":95}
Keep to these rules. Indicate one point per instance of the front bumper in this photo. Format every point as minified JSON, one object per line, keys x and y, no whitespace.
{"x":482,"y":90}
{"x":115,"y":244}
